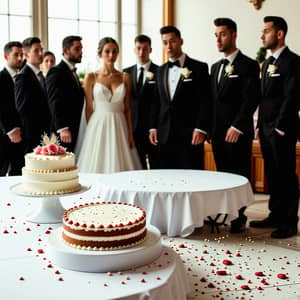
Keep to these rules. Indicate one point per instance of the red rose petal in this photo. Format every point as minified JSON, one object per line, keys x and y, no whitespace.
{"x":211,"y":285}
{"x":227,"y":262}
{"x":239,"y":277}
{"x":181,"y":246}
{"x":21,"y":278}
{"x":245,"y":287}
{"x":259,"y":274}
{"x":143,"y":280}
{"x":281,"y":276}
{"x":221,"y":273}
{"x":40,"y":251}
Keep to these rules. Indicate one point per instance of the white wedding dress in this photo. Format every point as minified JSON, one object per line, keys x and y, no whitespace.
{"x":105,"y":146}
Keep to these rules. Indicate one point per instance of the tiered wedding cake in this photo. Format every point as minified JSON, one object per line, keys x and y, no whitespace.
{"x":50,"y":170}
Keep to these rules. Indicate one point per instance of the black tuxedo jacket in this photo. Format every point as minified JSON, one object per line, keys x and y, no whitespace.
{"x":141,"y":100}
{"x":281,"y":95}
{"x":9,"y":117}
{"x":32,"y":105}
{"x":189,"y":108}
{"x":235,"y":99}
{"x":66,"y":98}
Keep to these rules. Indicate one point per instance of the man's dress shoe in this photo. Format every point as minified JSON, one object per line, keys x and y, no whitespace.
{"x":265,"y":223}
{"x":284,"y":232}
{"x":238,"y":225}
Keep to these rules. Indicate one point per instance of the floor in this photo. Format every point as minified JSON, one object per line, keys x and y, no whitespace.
{"x":250,"y":265}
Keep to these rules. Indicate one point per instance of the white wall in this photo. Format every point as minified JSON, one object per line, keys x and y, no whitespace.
{"x":195,"y":20}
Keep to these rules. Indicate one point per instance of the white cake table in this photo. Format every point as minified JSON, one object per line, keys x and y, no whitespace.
{"x":28,"y":274}
{"x":178,"y":201}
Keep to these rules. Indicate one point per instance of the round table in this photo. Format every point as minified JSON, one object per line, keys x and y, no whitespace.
{"x":28,"y":273}
{"x":178,"y":201}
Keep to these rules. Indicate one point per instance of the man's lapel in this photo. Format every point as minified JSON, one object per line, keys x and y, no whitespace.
{"x":226,"y":82}
{"x":165,"y":72}
{"x":134,"y":77}
{"x":266,"y":79}
{"x":71,"y":75}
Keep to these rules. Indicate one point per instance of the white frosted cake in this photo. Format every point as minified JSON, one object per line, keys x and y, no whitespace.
{"x":50,"y":170}
{"x":104,"y":226}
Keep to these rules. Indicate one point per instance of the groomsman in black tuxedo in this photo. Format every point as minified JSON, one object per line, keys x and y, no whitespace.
{"x":180,"y":114}
{"x":11,"y":146}
{"x":31,"y":95}
{"x":143,"y":77}
{"x":235,"y":95}
{"x":277,"y":123}
{"x":66,"y":93}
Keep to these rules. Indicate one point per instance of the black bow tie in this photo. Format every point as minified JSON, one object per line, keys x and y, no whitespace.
{"x":174,"y":63}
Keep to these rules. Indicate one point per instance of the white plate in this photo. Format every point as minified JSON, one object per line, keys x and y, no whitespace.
{"x":72,"y":258}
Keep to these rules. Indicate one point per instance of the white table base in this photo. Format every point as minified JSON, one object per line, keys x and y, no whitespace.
{"x":50,"y":209}
{"x":72,"y":258}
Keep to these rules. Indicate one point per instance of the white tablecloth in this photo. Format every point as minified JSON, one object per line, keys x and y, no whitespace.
{"x":178,"y":201}
{"x":23,"y":255}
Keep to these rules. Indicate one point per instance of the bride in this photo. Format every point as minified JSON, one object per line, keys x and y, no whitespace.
{"x":107,"y":142}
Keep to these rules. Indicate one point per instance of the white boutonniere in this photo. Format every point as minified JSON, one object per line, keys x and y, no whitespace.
{"x":149,"y":75}
{"x":271,"y":70}
{"x":185,"y":73}
{"x":229,"y":69}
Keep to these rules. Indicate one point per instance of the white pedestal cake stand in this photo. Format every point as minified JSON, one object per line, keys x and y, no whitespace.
{"x":68,"y":257}
{"x":49,"y":210}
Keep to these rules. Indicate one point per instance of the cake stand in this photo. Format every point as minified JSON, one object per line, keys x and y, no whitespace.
{"x":68,"y":257}
{"x":49,"y":209}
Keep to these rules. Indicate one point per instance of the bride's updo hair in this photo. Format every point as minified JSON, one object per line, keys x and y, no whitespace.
{"x":104,"y":41}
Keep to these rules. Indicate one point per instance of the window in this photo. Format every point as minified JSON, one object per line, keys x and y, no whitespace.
{"x":129,"y":31}
{"x":15,"y":22}
{"x":92,"y":20}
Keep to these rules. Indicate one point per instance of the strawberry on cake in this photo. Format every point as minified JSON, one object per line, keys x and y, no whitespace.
{"x":50,"y":170}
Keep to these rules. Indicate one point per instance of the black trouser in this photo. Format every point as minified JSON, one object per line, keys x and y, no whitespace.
{"x":233,"y":158}
{"x":279,"y":153}
{"x":180,"y":155}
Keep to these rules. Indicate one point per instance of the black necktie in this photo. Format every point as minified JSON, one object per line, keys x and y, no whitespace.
{"x":140,"y":79}
{"x":42,"y":80}
{"x":171,"y":64}
{"x":224,"y":63}
{"x":271,"y":60}
{"x":76,"y":76}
